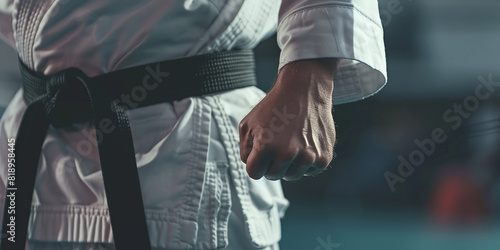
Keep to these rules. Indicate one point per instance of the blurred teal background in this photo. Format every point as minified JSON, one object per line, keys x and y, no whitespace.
{"x":436,"y":52}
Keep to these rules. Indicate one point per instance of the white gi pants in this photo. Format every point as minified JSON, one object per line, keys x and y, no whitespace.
{"x":195,"y":188}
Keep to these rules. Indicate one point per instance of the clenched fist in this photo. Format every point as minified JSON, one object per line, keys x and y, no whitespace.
{"x":291,"y":132}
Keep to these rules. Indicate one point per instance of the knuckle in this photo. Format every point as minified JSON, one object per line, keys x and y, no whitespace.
{"x":266,"y":147}
{"x":292,"y":152}
{"x":308,"y":158}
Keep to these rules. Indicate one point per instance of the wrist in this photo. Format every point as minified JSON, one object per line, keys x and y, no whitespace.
{"x":312,"y":78}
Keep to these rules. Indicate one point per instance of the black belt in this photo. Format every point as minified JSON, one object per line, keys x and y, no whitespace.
{"x":70,"y":96}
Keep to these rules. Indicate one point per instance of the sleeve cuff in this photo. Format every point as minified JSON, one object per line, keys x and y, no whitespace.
{"x":338,"y":31}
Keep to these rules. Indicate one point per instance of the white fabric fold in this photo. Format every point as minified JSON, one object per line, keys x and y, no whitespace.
{"x":187,"y":152}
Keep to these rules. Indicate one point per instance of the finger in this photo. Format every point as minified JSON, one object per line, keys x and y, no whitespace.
{"x":320,"y":165}
{"x":246,"y":143}
{"x":258,"y":162}
{"x":303,"y":162}
{"x":279,"y":168}
{"x":297,"y":170}
{"x":316,"y":170}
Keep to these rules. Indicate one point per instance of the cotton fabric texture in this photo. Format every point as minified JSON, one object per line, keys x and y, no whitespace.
{"x":195,"y":188}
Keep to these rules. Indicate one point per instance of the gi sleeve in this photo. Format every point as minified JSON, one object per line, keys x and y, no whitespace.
{"x":6,"y":31}
{"x":350,"y":30}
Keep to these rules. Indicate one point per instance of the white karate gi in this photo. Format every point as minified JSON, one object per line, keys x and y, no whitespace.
{"x":195,"y":188}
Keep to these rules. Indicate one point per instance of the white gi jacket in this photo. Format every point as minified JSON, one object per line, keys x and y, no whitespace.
{"x":195,"y":188}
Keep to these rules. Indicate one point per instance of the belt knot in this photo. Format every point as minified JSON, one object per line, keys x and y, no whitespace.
{"x":67,"y":98}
